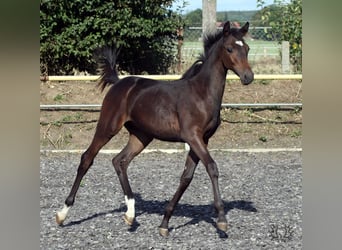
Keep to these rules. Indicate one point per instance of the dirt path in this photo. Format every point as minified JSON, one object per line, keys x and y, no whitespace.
{"x":239,"y":128}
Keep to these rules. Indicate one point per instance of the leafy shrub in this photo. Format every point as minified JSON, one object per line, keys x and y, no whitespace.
{"x":70,"y":31}
{"x":285,"y":18}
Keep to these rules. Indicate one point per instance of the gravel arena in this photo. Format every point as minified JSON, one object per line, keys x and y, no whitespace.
{"x":262,"y":194}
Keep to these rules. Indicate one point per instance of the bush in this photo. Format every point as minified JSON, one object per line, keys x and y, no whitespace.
{"x":70,"y":31}
{"x":286,"y":22}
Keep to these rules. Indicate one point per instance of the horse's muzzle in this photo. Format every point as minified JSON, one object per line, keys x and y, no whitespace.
{"x":247,"y":77}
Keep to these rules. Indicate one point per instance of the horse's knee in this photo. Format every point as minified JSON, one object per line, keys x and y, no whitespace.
{"x":213,"y":170}
{"x":119,"y":162}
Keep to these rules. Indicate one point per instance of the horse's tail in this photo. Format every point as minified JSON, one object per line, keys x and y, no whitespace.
{"x":106,"y":58}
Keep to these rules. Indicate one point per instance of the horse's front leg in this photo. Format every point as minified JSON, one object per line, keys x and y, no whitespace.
{"x":190,"y":166}
{"x":200,"y":148}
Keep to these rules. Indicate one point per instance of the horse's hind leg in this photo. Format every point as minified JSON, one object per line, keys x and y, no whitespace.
{"x":137,"y":142}
{"x":87,"y":159}
{"x":102,"y":135}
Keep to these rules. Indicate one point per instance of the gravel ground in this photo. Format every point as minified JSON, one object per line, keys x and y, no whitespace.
{"x":262,"y":193}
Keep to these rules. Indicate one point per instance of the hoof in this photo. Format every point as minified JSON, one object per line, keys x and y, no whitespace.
{"x":163,"y":232}
{"x":59,"y":219}
{"x":61,"y":215}
{"x":129,"y":220}
{"x":223,"y":226}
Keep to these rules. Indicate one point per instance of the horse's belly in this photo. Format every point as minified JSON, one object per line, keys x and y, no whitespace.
{"x":160,"y":122}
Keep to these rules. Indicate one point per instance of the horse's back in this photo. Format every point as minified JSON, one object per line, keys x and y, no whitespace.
{"x":121,"y":90}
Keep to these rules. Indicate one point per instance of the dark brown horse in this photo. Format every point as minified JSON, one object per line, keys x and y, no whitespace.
{"x":186,"y":110}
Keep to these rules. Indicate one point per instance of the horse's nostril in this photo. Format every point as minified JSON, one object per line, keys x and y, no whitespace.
{"x":248,"y":77}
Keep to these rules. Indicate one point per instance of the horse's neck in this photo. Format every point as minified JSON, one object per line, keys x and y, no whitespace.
{"x":213,"y":76}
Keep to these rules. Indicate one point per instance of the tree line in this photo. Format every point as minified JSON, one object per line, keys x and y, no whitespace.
{"x":145,"y":31}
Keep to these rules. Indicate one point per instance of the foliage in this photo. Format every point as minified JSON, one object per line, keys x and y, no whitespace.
{"x":286,"y":22}
{"x":236,"y":16}
{"x":70,"y":31}
{"x":194,"y":18}
{"x":267,"y":15}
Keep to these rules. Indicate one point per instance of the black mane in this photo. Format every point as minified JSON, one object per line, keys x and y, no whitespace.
{"x":210,"y":39}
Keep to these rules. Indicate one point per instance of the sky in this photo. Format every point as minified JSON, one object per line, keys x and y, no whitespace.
{"x":224,"y":5}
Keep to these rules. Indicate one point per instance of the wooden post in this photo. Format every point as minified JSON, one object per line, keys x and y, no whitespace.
{"x":180,"y":38}
{"x":208,"y":16}
{"x":285,"y":57}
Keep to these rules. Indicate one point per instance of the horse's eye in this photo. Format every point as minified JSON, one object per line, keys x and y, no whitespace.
{"x":230,"y":50}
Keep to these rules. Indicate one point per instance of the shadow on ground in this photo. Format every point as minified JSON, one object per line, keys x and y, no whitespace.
{"x":196,"y":213}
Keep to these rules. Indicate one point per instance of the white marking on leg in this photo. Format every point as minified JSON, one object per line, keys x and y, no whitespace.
{"x":239,"y":43}
{"x":130,"y":207}
{"x":63,"y":213}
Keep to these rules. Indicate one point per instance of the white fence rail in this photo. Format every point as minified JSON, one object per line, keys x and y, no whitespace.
{"x":171,"y":77}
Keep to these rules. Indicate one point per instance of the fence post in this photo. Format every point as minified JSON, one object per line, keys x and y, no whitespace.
{"x":180,"y":38}
{"x":285,"y":57}
{"x":208,"y":16}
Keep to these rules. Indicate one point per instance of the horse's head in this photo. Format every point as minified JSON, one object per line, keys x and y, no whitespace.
{"x":235,"y":52}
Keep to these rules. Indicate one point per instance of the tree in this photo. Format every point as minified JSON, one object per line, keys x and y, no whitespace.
{"x":194,"y":18}
{"x":267,"y":15}
{"x":70,"y":31}
{"x":286,"y":23}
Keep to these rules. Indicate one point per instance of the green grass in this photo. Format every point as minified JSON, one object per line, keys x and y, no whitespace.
{"x":263,"y":138}
{"x":58,"y":98}
{"x":259,"y":50}
{"x":296,"y":133}
{"x":68,"y":118}
{"x":249,"y":42}
{"x":264,"y":56}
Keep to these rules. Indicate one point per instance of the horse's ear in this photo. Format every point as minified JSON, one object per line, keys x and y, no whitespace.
{"x":244,"y":29}
{"x":226,"y":28}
